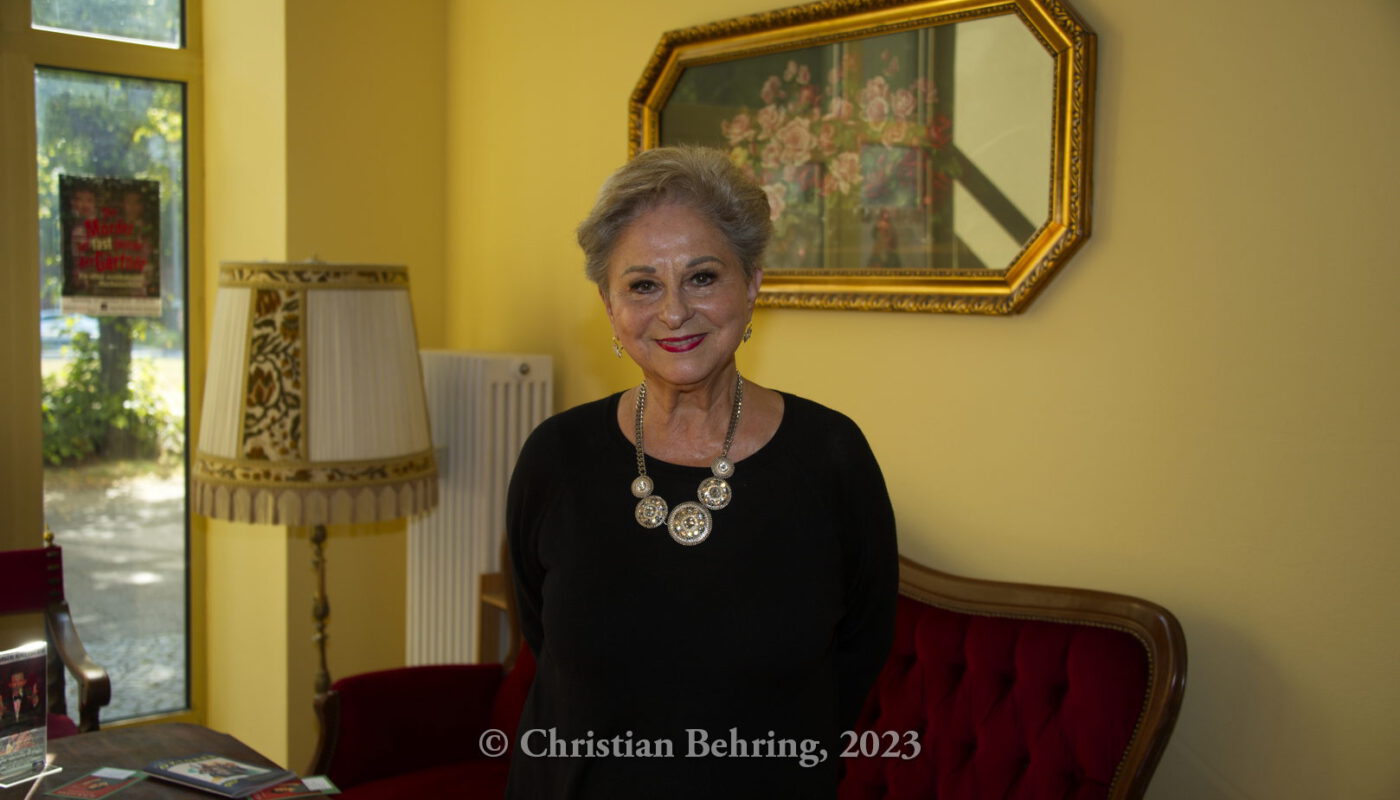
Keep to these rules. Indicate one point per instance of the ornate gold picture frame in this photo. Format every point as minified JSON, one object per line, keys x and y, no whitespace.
{"x":903,"y":145}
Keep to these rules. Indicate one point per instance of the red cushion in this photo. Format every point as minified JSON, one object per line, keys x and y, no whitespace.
{"x":61,"y":726}
{"x":402,"y":720}
{"x":1007,"y":708}
{"x":468,"y":779}
{"x":33,"y":579}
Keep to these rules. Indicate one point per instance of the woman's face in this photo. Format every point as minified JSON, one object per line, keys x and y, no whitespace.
{"x":677,"y":296}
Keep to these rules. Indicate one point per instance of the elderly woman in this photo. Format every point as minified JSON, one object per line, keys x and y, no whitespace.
{"x":705,"y":567}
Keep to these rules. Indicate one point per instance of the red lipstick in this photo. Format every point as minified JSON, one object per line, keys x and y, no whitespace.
{"x":681,"y":344}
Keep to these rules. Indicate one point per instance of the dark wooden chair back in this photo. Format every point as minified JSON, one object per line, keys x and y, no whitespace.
{"x":34,"y":584}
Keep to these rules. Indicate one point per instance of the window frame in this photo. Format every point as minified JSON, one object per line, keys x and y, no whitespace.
{"x":22,"y":50}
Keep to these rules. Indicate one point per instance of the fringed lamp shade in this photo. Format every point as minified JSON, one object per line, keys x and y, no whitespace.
{"x":314,"y":411}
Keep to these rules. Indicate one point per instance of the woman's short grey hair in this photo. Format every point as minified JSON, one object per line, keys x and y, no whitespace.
{"x":701,"y":178}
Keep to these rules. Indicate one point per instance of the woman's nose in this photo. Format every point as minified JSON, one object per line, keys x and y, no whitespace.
{"x":676,"y":310}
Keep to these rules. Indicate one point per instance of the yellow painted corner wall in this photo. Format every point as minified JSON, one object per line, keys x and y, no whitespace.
{"x":1198,"y":411}
{"x":245,"y":586}
{"x":325,"y":138}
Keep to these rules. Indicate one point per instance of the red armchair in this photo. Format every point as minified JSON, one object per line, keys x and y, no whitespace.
{"x":415,"y":731}
{"x":1014,"y":692}
{"x":33,"y":584}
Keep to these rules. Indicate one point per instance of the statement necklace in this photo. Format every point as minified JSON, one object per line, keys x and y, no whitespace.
{"x":690,"y":522}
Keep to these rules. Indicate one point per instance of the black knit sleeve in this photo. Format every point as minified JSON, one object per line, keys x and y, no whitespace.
{"x":866,"y":630}
{"x":525,"y":505}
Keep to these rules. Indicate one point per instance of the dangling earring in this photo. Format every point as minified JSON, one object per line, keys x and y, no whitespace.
{"x":748,"y":333}
{"x":617,"y":347}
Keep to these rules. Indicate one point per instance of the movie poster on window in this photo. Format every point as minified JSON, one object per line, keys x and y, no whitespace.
{"x":111,"y":246}
{"x":23,"y":713}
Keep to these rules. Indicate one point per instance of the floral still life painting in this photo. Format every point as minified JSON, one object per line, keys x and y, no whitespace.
{"x":917,"y":155}
{"x":850,"y":142}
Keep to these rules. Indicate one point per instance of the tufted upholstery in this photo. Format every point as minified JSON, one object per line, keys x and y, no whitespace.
{"x":1019,"y":693}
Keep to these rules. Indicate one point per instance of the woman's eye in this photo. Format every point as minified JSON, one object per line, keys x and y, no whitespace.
{"x":642,"y":286}
{"x":703,"y":278}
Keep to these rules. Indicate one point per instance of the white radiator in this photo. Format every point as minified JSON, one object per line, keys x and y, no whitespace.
{"x":482,"y":406}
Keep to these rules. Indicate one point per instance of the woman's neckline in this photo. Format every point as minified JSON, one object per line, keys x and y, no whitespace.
{"x":631,"y":447}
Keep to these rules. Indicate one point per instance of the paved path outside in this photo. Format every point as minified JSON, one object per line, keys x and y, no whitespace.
{"x":124,"y":575}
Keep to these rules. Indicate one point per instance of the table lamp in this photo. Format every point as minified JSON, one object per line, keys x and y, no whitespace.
{"x":314,"y":412}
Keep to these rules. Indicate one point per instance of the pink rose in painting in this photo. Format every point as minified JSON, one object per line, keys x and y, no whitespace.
{"x":876,"y":111}
{"x":769,"y":118}
{"x":771,"y":157}
{"x":845,"y":169}
{"x":797,"y":142}
{"x":772,"y":90}
{"x":826,"y":139}
{"x":840,"y":108}
{"x":833,"y":76}
{"x":892,"y":66}
{"x":809,"y":97}
{"x":739,"y":129}
{"x":894,"y":133}
{"x":791,"y":71}
{"x":777,"y":199}
{"x":902,"y":103}
{"x":875,"y":87}
{"x":804,"y":75}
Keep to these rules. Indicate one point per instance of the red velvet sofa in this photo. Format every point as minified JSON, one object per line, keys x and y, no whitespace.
{"x":1017,"y":692}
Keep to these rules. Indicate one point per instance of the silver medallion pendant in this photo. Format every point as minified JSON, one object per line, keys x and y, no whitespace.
{"x":690,"y":523}
{"x":715,"y":493}
{"x":642,"y":486}
{"x":651,"y":511}
{"x":722,"y":467}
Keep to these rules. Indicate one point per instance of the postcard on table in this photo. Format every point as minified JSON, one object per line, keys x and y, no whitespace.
{"x":217,"y":774}
{"x":104,"y":782}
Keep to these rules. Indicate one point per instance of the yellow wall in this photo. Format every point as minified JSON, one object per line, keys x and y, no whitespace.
{"x":245,"y":584}
{"x":1198,"y":411}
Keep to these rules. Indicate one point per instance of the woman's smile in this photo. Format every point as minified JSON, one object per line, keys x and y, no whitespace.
{"x":681,"y":344}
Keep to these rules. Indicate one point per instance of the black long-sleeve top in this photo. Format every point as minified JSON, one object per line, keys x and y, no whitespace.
{"x":770,"y":632}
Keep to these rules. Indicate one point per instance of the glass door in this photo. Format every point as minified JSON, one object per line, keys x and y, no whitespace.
{"x":111,"y":159}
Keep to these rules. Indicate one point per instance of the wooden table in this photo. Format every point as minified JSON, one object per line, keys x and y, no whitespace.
{"x":133,"y":748}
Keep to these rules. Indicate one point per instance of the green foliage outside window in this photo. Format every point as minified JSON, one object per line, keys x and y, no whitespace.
{"x":79,"y":418}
